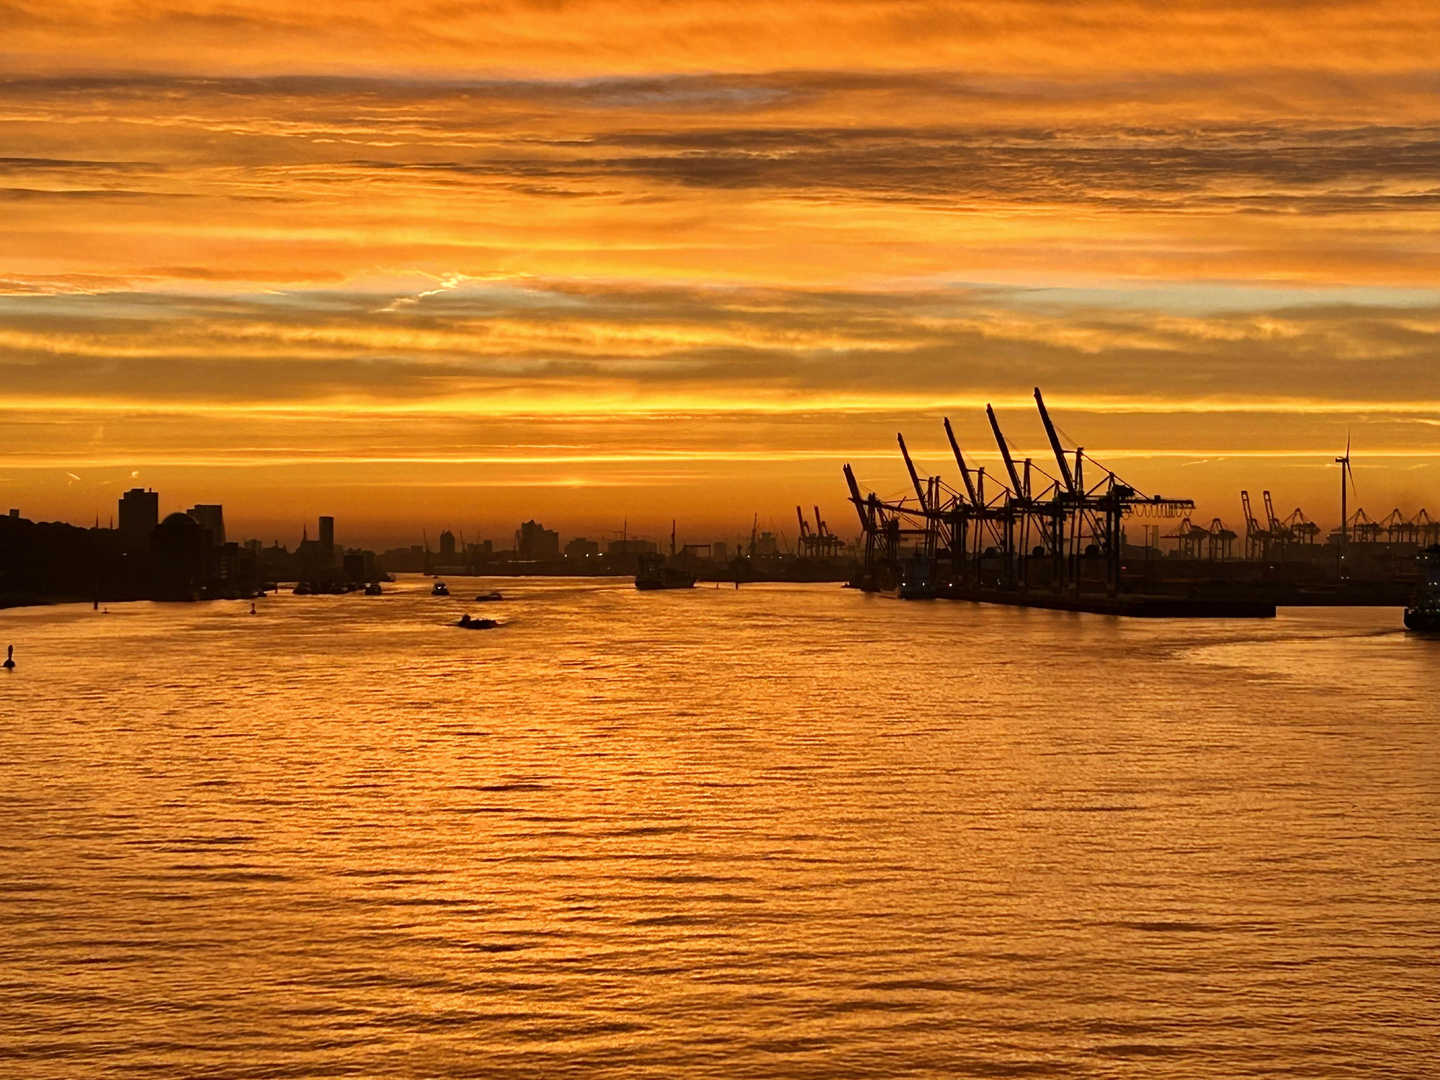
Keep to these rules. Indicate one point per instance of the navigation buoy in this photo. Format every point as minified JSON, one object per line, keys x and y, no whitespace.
{"x":252,"y":607}
{"x":9,"y":664}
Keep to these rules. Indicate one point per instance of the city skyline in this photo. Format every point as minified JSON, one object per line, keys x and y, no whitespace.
{"x":432,"y":536}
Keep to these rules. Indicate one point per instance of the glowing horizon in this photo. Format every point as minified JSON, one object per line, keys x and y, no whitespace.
{"x":693,"y":258}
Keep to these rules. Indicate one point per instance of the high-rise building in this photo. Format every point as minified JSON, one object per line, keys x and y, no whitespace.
{"x":581,"y":548}
{"x":327,"y":539}
{"x":211,"y":517}
{"x":139,"y":514}
{"x":534,"y":541}
{"x":447,"y":547}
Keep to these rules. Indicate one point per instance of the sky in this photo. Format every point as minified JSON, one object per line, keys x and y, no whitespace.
{"x":606,"y":264}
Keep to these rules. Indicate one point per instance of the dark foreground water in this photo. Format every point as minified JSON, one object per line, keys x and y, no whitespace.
{"x":787,"y":832}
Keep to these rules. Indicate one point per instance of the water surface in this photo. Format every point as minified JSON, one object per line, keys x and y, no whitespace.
{"x":786,"y":831}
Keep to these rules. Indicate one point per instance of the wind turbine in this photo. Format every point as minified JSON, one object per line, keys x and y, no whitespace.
{"x":1346,"y":473}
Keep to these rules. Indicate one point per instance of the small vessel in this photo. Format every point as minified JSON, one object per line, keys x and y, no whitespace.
{"x":373,"y":589}
{"x":1423,"y":613}
{"x":488,"y":597}
{"x":439,"y":589}
{"x":652,"y":573}
{"x":467,"y":623}
{"x":909,"y":579}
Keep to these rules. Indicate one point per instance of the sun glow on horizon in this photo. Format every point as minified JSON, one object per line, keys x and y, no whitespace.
{"x":389,"y":238}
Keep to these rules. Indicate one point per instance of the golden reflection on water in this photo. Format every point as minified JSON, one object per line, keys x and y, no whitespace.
{"x":784,"y":831}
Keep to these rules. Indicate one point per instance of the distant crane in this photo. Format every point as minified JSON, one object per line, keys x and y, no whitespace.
{"x":1220,"y":540}
{"x":819,"y":542}
{"x":1257,"y":540}
{"x":1272,"y":523}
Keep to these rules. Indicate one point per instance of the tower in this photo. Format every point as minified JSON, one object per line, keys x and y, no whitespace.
{"x":139,"y":514}
{"x":211,"y":516}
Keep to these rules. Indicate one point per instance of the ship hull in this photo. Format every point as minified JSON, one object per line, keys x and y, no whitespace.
{"x":1425,"y":619}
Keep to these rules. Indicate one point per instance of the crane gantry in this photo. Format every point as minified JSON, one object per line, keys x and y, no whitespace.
{"x":968,"y":539}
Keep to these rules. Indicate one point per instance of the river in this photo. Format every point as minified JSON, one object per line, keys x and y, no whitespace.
{"x":780,"y":831}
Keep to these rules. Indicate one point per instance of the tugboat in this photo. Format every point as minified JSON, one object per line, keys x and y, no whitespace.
{"x":1424,"y":610}
{"x":652,"y":573}
{"x":467,"y":623}
{"x":439,"y":589}
{"x":488,"y":597}
{"x":373,"y":589}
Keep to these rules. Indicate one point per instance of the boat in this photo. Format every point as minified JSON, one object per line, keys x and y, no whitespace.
{"x":467,"y":623}
{"x":488,"y":597}
{"x":1423,"y":612}
{"x":373,"y":589}
{"x":439,"y":589}
{"x":908,"y":579}
{"x":652,"y":573}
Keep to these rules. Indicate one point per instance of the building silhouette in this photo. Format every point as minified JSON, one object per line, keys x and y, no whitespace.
{"x":327,"y":540}
{"x":630,"y":547}
{"x":359,"y":566}
{"x":180,"y":551}
{"x":581,"y":548}
{"x":534,"y":541}
{"x":211,"y":517}
{"x":139,"y":514}
{"x":447,"y":548}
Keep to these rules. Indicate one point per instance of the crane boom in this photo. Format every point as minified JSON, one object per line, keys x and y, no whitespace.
{"x":960,"y":460}
{"x":1065,"y":473}
{"x":1271,"y":519}
{"x":1005,"y":454}
{"x":914,"y":476}
{"x":1250,"y":523}
{"x":856,"y":498}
